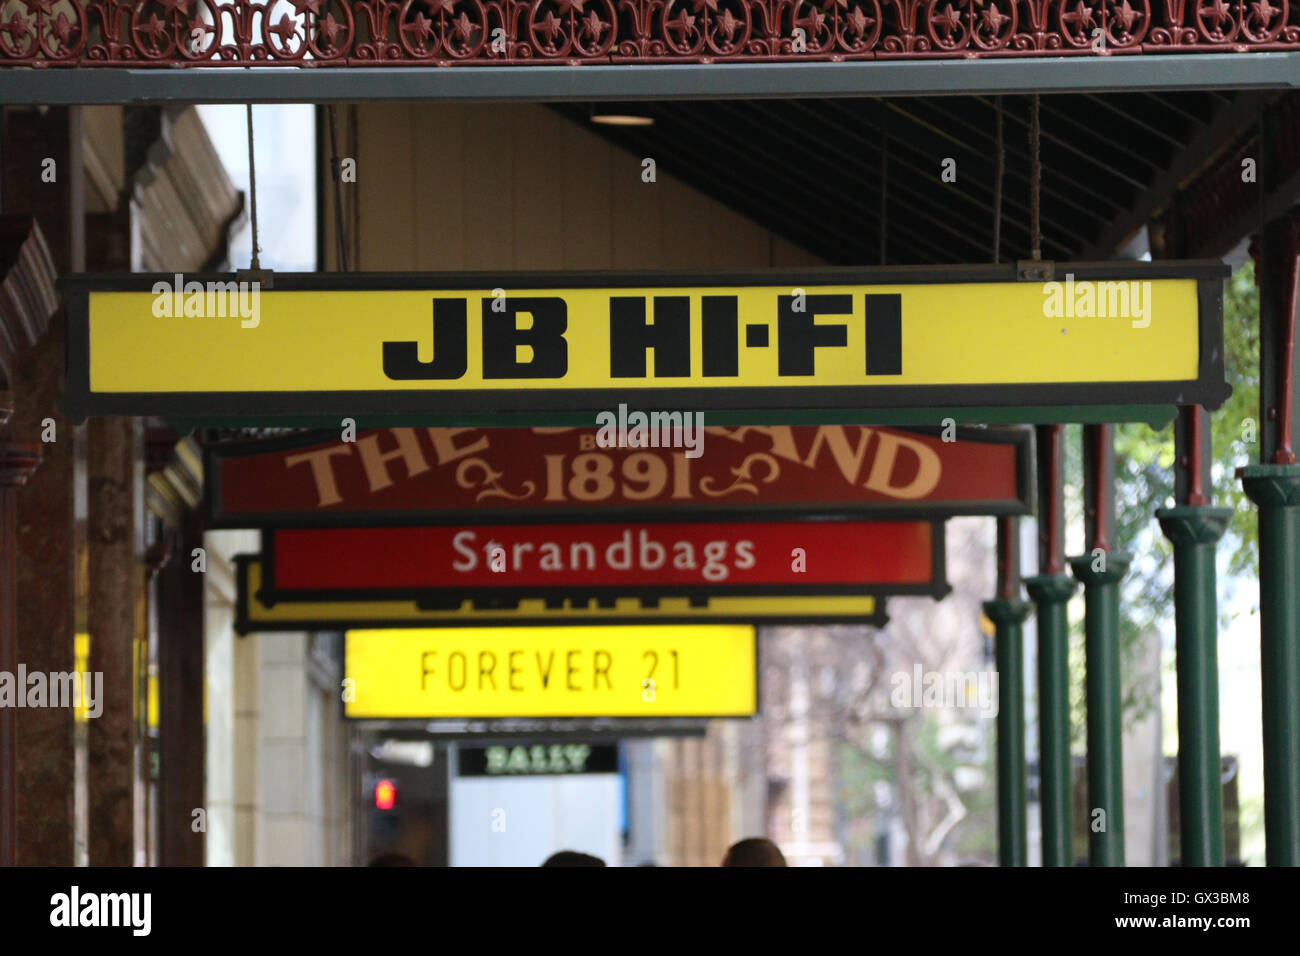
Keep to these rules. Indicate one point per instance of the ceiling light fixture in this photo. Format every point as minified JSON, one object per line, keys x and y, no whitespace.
{"x":622,"y":119}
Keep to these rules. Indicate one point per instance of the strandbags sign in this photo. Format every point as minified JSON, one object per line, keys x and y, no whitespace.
{"x":702,"y":670}
{"x":255,"y":610}
{"x":347,"y":345}
{"x":449,"y":564}
{"x":443,"y":475}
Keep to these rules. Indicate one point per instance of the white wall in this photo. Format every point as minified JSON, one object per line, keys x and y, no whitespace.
{"x":228,"y":810}
{"x":277,"y":767}
{"x":534,"y":816}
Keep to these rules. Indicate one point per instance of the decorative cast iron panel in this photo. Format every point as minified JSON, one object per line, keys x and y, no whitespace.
{"x":320,"y":33}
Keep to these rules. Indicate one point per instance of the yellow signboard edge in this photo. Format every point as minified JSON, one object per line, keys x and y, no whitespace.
{"x":245,"y":623}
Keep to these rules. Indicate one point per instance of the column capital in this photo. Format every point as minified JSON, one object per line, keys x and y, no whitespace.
{"x":1007,"y":610}
{"x":1114,"y":567}
{"x":1051,"y":588}
{"x":1271,"y":485}
{"x":1193,"y":524}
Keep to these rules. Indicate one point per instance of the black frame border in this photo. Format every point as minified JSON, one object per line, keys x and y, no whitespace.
{"x":245,"y":624}
{"x":1208,"y":389}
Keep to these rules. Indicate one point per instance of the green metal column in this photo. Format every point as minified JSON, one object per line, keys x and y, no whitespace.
{"x":1101,"y":570}
{"x":1051,"y":590}
{"x":1276,"y":490}
{"x":1008,"y":615}
{"x":1051,"y":593}
{"x":1274,"y":486}
{"x":1194,"y":530}
{"x":1101,"y":576}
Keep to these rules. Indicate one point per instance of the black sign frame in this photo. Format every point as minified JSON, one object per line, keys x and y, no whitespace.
{"x":1209,"y":389}
{"x":245,"y":624}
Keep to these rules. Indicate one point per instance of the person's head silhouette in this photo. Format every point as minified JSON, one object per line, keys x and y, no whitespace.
{"x":754,"y":851}
{"x":573,"y":858}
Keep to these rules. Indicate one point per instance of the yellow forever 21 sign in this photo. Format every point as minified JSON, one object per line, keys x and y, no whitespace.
{"x":585,"y":671}
{"x":355,"y":344}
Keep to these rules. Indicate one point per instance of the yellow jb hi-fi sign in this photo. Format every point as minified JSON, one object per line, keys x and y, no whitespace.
{"x":696,"y":670}
{"x":1101,"y":334}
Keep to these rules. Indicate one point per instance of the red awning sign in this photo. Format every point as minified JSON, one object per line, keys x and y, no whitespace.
{"x":435,"y":476}
{"x":641,"y":559}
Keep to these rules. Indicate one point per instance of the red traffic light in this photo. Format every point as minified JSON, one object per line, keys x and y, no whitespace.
{"x":385,"y":795}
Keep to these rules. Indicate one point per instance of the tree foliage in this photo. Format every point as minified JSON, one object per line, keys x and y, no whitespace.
{"x":1144,"y":481}
{"x":1235,"y":427}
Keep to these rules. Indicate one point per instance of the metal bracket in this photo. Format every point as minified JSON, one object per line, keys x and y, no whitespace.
{"x":265,"y":278}
{"x":1035,"y":270}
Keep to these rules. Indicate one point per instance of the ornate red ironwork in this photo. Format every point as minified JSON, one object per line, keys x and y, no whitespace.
{"x":327,"y":33}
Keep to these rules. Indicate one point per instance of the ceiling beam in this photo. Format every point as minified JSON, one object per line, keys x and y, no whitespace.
{"x":1230,"y":122}
{"x":554,"y":83}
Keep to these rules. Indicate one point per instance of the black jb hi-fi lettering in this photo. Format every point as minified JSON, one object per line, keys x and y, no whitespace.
{"x":665,"y":332}
{"x":501,"y":336}
{"x":450,"y":347}
{"x":631,"y":336}
{"x":884,"y":328}
{"x":799,"y":335}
